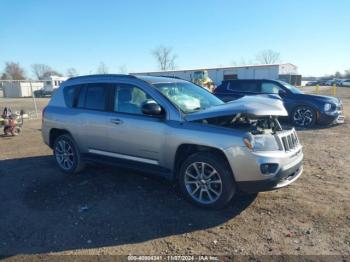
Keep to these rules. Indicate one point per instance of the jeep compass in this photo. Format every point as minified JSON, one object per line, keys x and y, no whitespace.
{"x":175,"y":129}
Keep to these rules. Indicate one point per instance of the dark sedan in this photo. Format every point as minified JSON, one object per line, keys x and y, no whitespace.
{"x":304,"y":110}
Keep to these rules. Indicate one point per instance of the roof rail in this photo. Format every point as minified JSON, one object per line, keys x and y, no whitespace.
{"x":176,"y":77}
{"x":100,"y":75}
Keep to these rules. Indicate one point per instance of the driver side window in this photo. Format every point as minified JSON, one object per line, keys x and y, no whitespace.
{"x":269,"y":88}
{"x":129,"y":99}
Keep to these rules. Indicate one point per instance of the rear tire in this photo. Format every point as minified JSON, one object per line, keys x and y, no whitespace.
{"x":206,"y":180}
{"x":67,"y":155}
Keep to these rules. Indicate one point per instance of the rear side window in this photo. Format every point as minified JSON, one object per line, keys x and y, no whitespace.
{"x":81,"y":97}
{"x":70,"y":95}
{"x":244,"y":86}
{"x":95,"y":97}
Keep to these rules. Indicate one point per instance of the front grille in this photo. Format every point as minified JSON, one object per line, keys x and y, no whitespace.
{"x":289,"y":141}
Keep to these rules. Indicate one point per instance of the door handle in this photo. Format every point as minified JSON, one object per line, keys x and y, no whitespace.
{"x":116,"y":121}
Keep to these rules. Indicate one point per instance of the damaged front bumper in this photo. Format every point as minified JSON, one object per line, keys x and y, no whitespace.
{"x":282,"y":179}
{"x":252,"y":171}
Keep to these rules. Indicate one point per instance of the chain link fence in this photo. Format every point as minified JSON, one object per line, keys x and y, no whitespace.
{"x":19,"y":95}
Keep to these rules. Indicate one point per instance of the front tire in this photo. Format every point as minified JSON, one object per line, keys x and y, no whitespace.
{"x":67,"y":155}
{"x":303,"y":116}
{"x":206,"y":180}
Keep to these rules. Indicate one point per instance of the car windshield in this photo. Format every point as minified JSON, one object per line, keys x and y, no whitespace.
{"x":291,"y":88}
{"x":187,"y":96}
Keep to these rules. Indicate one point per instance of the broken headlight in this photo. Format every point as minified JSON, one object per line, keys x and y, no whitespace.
{"x":261,"y":143}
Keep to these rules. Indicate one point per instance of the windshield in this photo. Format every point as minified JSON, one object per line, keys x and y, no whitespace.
{"x":187,"y":96}
{"x":291,"y":88}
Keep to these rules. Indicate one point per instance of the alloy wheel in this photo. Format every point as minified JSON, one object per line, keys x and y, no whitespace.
{"x":203,"y":182}
{"x":64,"y":154}
{"x":303,"y":116}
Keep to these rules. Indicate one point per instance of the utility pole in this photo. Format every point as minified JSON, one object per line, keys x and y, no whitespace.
{"x":34,"y":100}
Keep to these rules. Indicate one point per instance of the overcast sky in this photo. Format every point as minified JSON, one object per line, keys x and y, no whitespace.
{"x":314,"y":35}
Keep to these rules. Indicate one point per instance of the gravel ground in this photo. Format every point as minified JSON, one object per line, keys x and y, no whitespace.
{"x":106,"y":210}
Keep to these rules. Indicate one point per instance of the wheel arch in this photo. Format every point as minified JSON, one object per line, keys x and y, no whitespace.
{"x":185,"y":150}
{"x":56,"y":132}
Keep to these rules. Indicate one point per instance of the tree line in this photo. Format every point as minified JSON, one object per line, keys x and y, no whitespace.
{"x":345,"y":74}
{"x":14,"y":71}
{"x":164,"y":56}
{"x":336,"y":75}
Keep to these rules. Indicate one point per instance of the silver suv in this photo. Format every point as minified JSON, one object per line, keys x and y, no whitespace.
{"x":176,"y":129}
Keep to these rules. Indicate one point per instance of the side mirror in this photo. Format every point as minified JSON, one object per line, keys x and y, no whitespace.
{"x":151,"y":107}
{"x":282,"y":93}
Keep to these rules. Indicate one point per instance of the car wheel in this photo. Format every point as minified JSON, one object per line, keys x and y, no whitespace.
{"x":7,"y":131}
{"x":17,"y":130}
{"x":206,"y":180}
{"x":67,"y":155}
{"x":303,"y":116}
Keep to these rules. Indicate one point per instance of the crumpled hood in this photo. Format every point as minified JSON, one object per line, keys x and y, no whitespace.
{"x":258,"y":105}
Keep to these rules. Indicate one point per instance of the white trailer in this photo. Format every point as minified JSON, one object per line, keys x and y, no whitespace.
{"x":20,"y":88}
{"x":286,"y":72}
{"x":50,"y":85}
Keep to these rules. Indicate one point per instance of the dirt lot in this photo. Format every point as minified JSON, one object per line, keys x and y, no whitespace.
{"x":106,"y":210}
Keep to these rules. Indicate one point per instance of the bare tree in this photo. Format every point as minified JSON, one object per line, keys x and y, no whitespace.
{"x":337,"y":74}
{"x":102,"y":68}
{"x":268,"y":57}
{"x":165,"y":58}
{"x":13,"y":71}
{"x":42,"y":71}
{"x":347,"y":73}
{"x":39,"y":70}
{"x":71,"y":72}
